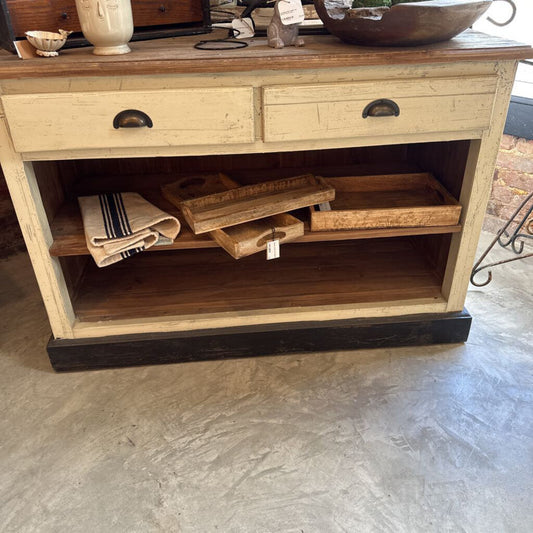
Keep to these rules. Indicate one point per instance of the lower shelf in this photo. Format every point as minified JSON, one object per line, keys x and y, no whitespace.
{"x":274,"y":339}
{"x":209,"y":281}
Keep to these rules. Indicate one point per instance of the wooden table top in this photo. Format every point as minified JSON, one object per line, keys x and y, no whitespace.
{"x":177,"y":55}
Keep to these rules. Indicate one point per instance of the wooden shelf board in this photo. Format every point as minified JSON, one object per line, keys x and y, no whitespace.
{"x":69,"y":238}
{"x":207,"y":281}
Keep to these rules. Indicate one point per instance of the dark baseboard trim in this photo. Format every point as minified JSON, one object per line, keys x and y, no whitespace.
{"x":520,"y":118}
{"x":253,"y":341}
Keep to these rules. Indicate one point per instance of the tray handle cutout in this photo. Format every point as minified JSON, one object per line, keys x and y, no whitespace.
{"x":271,"y":236}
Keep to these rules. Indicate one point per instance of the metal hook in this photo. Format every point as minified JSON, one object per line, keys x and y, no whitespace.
{"x":511,"y":18}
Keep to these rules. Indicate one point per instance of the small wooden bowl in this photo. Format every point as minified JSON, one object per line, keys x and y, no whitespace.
{"x":47,"y":43}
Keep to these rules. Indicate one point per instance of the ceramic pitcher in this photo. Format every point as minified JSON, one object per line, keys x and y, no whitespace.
{"x":107,"y":24}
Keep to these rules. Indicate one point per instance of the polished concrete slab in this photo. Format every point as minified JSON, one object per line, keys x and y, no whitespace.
{"x":425,"y":439}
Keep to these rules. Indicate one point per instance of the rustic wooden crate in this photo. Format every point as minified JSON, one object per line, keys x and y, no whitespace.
{"x":152,"y":19}
{"x":386,"y":201}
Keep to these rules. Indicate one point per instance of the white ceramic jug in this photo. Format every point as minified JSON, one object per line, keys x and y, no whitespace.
{"x":107,"y":24}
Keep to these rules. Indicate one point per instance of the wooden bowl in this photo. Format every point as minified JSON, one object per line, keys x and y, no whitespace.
{"x":47,"y":43}
{"x":408,"y":24}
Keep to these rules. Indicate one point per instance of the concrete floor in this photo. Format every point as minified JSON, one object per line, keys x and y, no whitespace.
{"x":427,"y":439}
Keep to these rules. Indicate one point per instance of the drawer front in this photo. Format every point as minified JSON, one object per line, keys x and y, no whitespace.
{"x":150,"y":13}
{"x":183,"y":117}
{"x":51,"y":15}
{"x":42,"y":15}
{"x":335,"y":111}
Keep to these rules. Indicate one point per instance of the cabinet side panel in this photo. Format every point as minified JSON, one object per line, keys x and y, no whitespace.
{"x":475,"y":193}
{"x":22,"y":184}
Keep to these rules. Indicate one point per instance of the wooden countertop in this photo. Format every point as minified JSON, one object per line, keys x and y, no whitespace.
{"x":177,"y":55}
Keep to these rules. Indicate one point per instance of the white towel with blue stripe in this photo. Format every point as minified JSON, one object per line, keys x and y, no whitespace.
{"x":119,"y":225}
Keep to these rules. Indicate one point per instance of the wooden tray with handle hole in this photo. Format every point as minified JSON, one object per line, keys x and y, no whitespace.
{"x":386,"y":201}
{"x":253,"y":202}
{"x":243,"y":239}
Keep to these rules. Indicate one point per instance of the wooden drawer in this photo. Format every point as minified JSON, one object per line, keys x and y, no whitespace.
{"x":68,"y":121}
{"x":335,"y":111}
{"x":26,"y":15}
{"x":50,"y":15}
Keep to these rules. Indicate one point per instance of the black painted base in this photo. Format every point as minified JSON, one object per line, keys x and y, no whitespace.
{"x":252,"y":341}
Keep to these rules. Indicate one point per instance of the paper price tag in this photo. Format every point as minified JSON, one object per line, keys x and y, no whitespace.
{"x":324,"y":206}
{"x":244,"y":28}
{"x":291,"y":11}
{"x":273,"y":249}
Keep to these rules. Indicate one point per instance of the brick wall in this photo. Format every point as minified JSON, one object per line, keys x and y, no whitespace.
{"x":513,"y":180}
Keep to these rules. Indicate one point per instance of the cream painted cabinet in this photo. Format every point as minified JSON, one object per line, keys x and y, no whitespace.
{"x":256,"y":119}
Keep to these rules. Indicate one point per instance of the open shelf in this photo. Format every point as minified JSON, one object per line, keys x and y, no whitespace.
{"x":194,"y":276}
{"x":209,"y":281}
{"x":69,"y":238}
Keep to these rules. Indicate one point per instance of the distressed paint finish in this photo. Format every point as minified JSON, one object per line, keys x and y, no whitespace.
{"x":24,"y":192}
{"x":332,"y":111}
{"x":447,"y":92}
{"x":475,"y":195}
{"x":181,"y":117}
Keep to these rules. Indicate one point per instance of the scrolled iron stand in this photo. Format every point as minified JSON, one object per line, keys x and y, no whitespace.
{"x":522,"y":216}
{"x":515,"y":240}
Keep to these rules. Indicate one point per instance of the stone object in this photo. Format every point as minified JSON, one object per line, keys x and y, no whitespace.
{"x":280,"y":35}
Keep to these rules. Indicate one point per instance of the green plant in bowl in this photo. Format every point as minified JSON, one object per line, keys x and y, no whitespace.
{"x":379,"y":3}
{"x":370,"y":3}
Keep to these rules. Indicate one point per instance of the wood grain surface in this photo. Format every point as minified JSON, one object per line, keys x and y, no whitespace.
{"x":253,"y":202}
{"x":243,"y":239}
{"x":398,"y":200}
{"x":49,"y":15}
{"x":69,"y":239}
{"x":246,"y":239}
{"x":207,"y":281}
{"x":177,"y":55}
{"x":67,"y":227}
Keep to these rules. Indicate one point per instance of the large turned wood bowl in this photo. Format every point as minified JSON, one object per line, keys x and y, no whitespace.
{"x":401,"y":25}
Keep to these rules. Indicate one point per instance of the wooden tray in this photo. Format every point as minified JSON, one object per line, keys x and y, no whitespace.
{"x":386,"y":201}
{"x":197,"y":186}
{"x":253,"y":202}
{"x":251,"y":237}
{"x":243,"y":239}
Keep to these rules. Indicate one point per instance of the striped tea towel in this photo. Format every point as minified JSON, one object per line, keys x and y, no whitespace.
{"x":119,"y":225}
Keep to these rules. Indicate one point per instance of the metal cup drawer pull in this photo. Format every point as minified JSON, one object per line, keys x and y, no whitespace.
{"x":381,"y":108}
{"x":132,"y":118}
